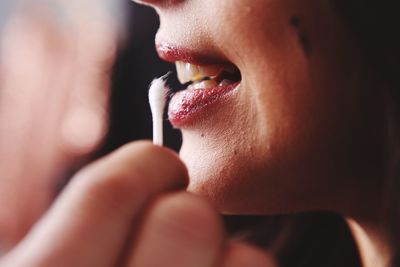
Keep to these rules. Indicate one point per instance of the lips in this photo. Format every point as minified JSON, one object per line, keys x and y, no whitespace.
{"x":210,"y":80}
{"x":173,"y":53}
{"x":186,"y":105}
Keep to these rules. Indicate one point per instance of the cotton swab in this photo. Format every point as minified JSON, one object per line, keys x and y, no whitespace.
{"x":157,"y":98}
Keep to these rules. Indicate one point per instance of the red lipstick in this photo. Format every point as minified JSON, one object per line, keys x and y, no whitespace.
{"x":186,"y":105}
{"x":172,"y":53}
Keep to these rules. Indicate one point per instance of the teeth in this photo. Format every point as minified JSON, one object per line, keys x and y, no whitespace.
{"x":191,"y":73}
{"x":225,"y":83}
{"x":204,"y":84}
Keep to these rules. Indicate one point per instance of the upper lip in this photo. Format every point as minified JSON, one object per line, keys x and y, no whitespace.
{"x":173,"y":53}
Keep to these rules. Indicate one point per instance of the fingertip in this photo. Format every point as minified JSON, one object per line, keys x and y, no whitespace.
{"x":159,"y":157}
{"x":139,"y":163}
{"x":128,"y":178}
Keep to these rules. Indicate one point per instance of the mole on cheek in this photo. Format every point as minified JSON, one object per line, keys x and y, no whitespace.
{"x":304,"y":40}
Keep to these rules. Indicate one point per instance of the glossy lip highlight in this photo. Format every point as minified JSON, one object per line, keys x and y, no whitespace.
{"x":172,"y":53}
{"x":186,"y":105}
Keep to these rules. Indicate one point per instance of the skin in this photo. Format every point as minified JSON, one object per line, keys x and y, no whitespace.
{"x":117,"y":211}
{"x":294,"y":138}
{"x":123,"y":186}
{"x":298,"y":116}
{"x":304,"y":131}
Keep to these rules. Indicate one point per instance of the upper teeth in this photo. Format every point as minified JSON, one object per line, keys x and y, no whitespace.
{"x":192,"y":73}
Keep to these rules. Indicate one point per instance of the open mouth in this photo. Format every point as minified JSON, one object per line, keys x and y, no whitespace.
{"x":206,"y":86}
{"x":205,"y":77}
{"x":207,"y":81}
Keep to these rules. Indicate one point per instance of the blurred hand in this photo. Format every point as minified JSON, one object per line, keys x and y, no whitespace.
{"x":118,"y":212}
{"x":54,"y":85}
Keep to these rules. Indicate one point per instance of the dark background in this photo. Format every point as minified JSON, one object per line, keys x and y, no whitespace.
{"x":136,"y":66}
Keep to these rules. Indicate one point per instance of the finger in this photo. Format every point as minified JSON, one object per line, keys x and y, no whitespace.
{"x":89,"y":223}
{"x":36,"y":59}
{"x":85,"y":120}
{"x":181,"y":230}
{"x":242,"y":255}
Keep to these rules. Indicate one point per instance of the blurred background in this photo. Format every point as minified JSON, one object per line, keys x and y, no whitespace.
{"x":137,"y":64}
{"x":74,"y":77}
{"x":73,"y":87}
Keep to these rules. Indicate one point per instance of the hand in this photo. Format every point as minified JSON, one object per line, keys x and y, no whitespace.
{"x":54,"y":80}
{"x":126,"y":209}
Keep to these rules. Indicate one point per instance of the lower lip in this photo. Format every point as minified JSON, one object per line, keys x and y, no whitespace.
{"x":189,"y":104}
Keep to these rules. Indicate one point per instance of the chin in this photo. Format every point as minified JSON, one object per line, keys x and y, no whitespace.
{"x":233,"y":176}
{"x":246,"y":176}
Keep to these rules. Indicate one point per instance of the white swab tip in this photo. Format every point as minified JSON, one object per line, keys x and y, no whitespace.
{"x":158,"y":97}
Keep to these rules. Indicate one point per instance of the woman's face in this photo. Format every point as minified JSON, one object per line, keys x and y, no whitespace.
{"x":297,"y":131}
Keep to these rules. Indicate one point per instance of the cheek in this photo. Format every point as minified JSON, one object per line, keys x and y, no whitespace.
{"x":297,"y":78}
{"x":244,"y":25}
{"x":219,"y":146}
{"x":290,"y":143}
